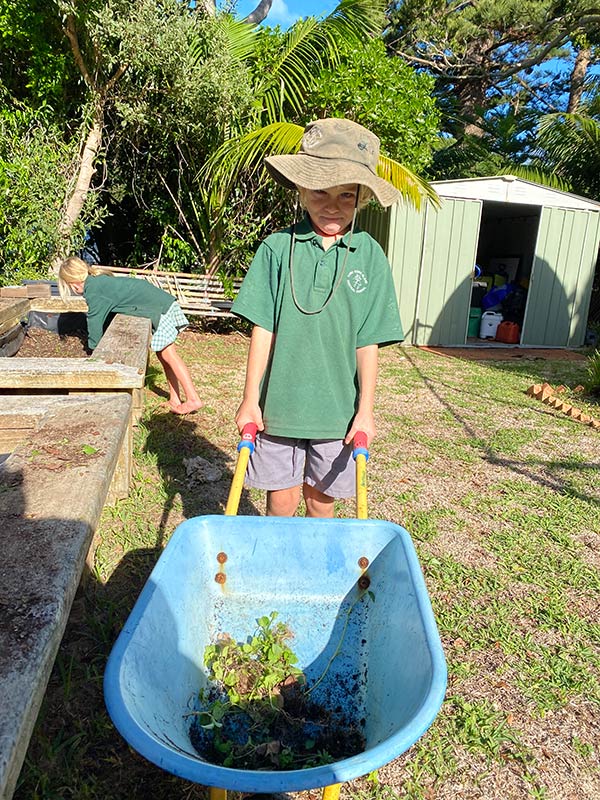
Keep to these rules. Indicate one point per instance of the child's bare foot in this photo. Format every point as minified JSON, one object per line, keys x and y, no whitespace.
{"x":189,"y":407}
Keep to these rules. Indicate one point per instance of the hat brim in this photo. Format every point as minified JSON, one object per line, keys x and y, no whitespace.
{"x":312,"y":172}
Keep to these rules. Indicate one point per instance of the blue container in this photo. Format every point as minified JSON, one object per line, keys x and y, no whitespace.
{"x":307,"y":570}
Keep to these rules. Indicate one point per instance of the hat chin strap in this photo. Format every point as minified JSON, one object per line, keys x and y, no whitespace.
{"x":340,"y":276}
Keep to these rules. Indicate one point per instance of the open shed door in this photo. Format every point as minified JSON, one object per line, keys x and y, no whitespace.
{"x":561,"y":278}
{"x":447,"y":262}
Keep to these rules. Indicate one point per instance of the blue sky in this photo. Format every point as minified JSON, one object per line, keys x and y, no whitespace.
{"x":286,"y":12}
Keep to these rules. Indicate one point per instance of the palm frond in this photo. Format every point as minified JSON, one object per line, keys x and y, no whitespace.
{"x":564,"y":135}
{"x":357,"y":19}
{"x":413,"y":189}
{"x":240,"y":39}
{"x":307,"y":48}
{"x":312,"y":44}
{"x":536,"y":175}
{"x":569,"y":145}
{"x":245,"y":153}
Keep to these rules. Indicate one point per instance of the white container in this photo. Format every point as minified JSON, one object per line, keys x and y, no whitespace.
{"x":489,"y":324}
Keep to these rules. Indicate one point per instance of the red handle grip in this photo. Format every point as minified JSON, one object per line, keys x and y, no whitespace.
{"x":360,"y":439}
{"x":249,"y":432}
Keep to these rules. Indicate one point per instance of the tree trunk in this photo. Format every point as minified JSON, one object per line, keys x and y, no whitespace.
{"x":260,"y":12}
{"x":583,"y":59}
{"x":471,"y":102}
{"x":85,"y":174}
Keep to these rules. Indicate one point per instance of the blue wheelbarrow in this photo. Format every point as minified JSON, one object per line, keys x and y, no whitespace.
{"x":380,"y":660}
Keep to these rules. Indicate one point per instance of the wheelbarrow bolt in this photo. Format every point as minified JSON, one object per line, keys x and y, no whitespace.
{"x":220,"y":577}
{"x":364,"y":582}
{"x":363,"y":562}
{"x":221,"y":557}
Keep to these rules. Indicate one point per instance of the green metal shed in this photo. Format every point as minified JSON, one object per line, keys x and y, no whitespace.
{"x":542,"y":242}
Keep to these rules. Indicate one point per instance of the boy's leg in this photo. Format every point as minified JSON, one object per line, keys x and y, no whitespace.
{"x":171,"y":357}
{"x":173,"y":383}
{"x":283,"y":502}
{"x":317,"y":503}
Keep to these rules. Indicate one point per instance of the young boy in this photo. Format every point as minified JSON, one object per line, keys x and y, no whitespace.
{"x":321,"y":298}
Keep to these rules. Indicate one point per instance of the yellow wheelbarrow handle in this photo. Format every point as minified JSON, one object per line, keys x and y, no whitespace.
{"x":245,"y":450}
{"x":361,"y":456}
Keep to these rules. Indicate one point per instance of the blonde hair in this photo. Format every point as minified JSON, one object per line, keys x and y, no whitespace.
{"x":364,"y":195}
{"x":73,"y":270}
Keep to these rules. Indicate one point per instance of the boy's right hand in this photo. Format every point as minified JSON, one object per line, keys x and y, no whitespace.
{"x":249,"y":412}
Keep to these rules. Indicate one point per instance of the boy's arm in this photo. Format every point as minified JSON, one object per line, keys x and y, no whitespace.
{"x":95,"y":319}
{"x":366,"y":362}
{"x":261,"y":343}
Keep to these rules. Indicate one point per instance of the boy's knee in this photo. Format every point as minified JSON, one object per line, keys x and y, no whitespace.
{"x":317,"y":503}
{"x":283,"y":502}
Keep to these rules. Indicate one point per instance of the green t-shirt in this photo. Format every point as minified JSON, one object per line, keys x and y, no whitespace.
{"x":108,"y":294}
{"x":310,"y":388}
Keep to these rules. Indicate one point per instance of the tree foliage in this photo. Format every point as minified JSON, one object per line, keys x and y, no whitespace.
{"x":35,"y":175}
{"x":384,"y":94}
{"x":132,"y":101}
{"x":472,"y":48}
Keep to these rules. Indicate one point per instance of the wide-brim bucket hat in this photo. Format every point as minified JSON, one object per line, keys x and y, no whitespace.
{"x":334,"y":152}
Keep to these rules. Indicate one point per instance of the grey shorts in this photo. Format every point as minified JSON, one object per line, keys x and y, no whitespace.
{"x":279,"y":462}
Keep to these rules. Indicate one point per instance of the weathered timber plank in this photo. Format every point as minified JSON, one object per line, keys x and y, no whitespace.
{"x":14,"y":427}
{"x":67,"y":373}
{"x":126,"y":341}
{"x":49,"y":511}
{"x":12,"y":311}
{"x":55,"y":305}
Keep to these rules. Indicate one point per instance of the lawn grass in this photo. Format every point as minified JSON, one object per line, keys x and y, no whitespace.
{"x":502,"y":498}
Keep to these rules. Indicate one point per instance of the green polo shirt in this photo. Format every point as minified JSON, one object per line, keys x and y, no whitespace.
{"x":310,"y":388}
{"x":107,"y":294}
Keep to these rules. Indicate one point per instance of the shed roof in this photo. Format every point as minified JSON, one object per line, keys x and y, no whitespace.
{"x":510,"y":189}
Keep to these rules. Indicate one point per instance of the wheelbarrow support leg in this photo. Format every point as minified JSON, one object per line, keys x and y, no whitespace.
{"x":331,"y":792}
{"x":218,"y":794}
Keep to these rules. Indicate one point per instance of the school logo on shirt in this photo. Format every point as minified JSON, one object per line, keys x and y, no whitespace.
{"x":357,"y":281}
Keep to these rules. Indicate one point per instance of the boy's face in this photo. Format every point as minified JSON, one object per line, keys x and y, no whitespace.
{"x":331,"y":210}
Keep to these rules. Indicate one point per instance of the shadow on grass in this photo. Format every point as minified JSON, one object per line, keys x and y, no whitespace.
{"x":519,"y":467}
{"x":170,"y":440}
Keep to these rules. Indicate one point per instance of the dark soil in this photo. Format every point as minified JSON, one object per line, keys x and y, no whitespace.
{"x":297,"y":735}
{"x":40,"y":343}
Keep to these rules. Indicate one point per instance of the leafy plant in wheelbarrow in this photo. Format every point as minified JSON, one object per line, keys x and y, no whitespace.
{"x":258,"y":713}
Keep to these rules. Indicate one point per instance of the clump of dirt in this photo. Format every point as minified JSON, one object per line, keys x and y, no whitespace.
{"x":40,"y":343}
{"x":292,"y":733}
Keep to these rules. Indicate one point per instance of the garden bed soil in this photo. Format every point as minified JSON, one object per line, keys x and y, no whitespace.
{"x":40,"y":343}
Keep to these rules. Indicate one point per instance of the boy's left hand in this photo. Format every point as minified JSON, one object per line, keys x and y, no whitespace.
{"x":363,"y":421}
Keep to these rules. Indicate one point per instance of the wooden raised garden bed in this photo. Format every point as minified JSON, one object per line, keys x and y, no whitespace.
{"x":118,"y":364}
{"x":65,"y":450}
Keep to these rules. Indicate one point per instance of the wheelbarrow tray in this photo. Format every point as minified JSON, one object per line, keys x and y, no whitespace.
{"x":378,"y":645}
